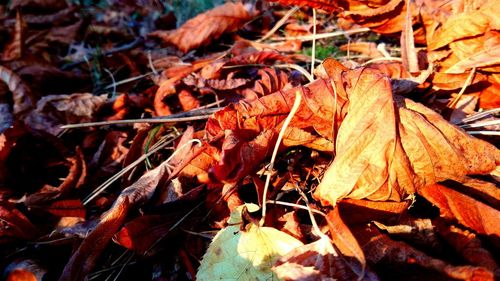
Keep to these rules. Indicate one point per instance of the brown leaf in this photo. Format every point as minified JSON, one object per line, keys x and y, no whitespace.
{"x":23,"y":100}
{"x":249,"y":129}
{"x":465,"y":24}
{"x":187,"y":100}
{"x":53,"y":111}
{"x":345,"y":241}
{"x":471,"y":213}
{"x":366,"y":48}
{"x":15,"y":49}
{"x":207,"y":27}
{"x":379,"y":161}
{"x":363,"y":211}
{"x":327,"y":5}
{"x":84,"y":258}
{"x":15,"y":225}
{"x":380,"y":249}
{"x":467,"y":245}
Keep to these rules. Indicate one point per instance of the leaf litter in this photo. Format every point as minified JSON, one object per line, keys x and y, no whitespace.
{"x":172,"y":130}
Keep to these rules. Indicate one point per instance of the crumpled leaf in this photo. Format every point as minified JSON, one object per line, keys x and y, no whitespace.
{"x":85,"y":257}
{"x":468,"y":245}
{"x":249,"y":129}
{"x":204,"y":28}
{"x":245,"y":254}
{"x":21,"y":94}
{"x":53,"y":111}
{"x":381,"y":250}
{"x":389,"y":146}
{"x":466,"y":24}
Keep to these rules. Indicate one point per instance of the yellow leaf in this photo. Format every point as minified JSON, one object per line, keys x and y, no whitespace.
{"x":248,"y":254}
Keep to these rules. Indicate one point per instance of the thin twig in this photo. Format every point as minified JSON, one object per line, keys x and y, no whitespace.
{"x":323,"y":35}
{"x":313,"y":54}
{"x":467,"y":82}
{"x":278,"y":24}
{"x":481,"y":115}
{"x":170,"y":119}
{"x":295,"y":107}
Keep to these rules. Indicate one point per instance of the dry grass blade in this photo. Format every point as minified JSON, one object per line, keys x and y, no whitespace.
{"x":295,"y":107}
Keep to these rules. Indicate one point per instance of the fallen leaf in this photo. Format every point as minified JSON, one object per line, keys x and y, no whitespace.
{"x":382,"y":162}
{"x":315,"y":261}
{"x":471,"y":213}
{"x":52,"y":112}
{"x":347,"y":244}
{"x":85,"y":257}
{"x":23,"y":101}
{"x":380,"y":249}
{"x":468,"y":245}
{"x":15,"y":49}
{"x":245,"y":252}
{"x":207,"y":27}
{"x":368,"y":49}
{"x":15,"y":225}
{"x":67,"y":208}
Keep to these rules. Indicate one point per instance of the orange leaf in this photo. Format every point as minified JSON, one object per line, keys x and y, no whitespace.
{"x":204,"y":28}
{"x":345,"y":241}
{"x":388,"y":146}
{"x":468,"y":211}
{"x":67,"y":208}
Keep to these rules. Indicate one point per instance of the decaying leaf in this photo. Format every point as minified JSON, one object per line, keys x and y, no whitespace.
{"x":204,"y":28}
{"x":54,"y":111}
{"x":380,"y":249}
{"x":245,"y":252}
{"x":84,"y":258}
{"x":387,"y":147}
{"x":20,"y":91}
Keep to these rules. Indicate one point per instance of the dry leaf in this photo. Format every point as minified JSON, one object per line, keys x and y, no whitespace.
{"x":15,"y":225}
{"x":379,"y":161}
{"x":380,"y":249}
{"x":314,"y":262}
{"x":468,"y":211}
{"x":15,"y":49}
{"x":207,"y":27}
{"x":345,"y":241}
{"x":53,"y":111}
{"x":85,"y":257}
{"x":20,"y":92}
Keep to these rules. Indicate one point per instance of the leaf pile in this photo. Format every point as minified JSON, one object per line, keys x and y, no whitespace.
{"x":387,"y":170}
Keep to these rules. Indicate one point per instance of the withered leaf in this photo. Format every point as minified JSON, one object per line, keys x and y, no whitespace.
{"x":53,"y":111}
{"x":204,"y":28}
{"x":380,"y":249}
{"x":14,"y":225}
{"x":85,"y":257}
{"x":388,"y":146}
{"x":23,"y":100}
{"x":468,"y":211}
